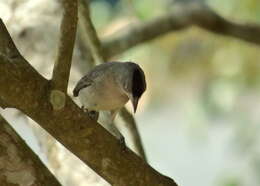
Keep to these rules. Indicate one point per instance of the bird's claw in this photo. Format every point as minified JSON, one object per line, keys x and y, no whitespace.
{"x":93,"y":115}
{"x":122,"y":142}
{"x":83,"y":109}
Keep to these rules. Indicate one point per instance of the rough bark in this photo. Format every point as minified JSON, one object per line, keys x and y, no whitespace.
{"x":19,"y":165}
{"x":61,"y":70}
{"x":22,"y":87}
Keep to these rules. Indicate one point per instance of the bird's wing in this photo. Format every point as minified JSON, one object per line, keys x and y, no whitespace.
{"x":83,"y":83}
{"x":97,"y":72}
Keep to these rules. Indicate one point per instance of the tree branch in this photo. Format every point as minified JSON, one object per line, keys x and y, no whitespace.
{"x":95,"y":47}
{"x":140,"y":33}
{"x":28,"y":91}
{"x":183,"y":16}
{"x":207,"y":19}
{"x":19,"y":164}
{"x":132,"y":127}
{"x":90,"y":32}
{"x":61,"y":70}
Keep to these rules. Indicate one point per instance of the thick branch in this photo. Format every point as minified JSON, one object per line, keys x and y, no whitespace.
{"x":27,"y":90}
{"x":183,"y":16}
{"x":19,"y":164}
{"x":61,"y":71}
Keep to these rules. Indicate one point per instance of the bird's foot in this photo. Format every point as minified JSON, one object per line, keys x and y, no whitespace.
{"x":84,"y":109}
{"x":122,"y":142}
{"x":93,"y":114}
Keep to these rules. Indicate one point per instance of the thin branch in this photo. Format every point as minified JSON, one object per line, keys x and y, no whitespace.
{"x":183,"y":16}
{"x":132,"y":127}
{"x":61,"y":71}
{"x":95,"y":47}
{"x":82,"y":44}
{"x":19,"y":164}
{"x":90,"y":32}
{"x":207,"y":19}
{"x":140,"y":33}
{"x":88,"y":140}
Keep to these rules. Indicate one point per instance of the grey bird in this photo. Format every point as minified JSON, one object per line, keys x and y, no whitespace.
{"x":109,"y":86}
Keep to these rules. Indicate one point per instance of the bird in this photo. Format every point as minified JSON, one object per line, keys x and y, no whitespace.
{"x":108,"y":87}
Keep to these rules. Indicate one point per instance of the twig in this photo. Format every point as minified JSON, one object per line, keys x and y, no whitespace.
{"x":86,"y":139}
{"x":90,"y":32}
{"x":84,"y":49}
{"x":61,"y":70}
{"x":206,"y":18}
{"x":183,"y":16}
{"x":85,"y":53}
{"x":133,"y":131}
{"x":96,"y":51}
{"x":132,"y":127}
{"x":139,"y":33}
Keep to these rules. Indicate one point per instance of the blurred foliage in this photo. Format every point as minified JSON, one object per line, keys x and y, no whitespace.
{"x":248,"y":10}
{"x":210,"y":79}
{"x":230,"y":182}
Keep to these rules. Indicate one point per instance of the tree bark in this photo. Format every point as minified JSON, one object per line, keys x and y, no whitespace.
{"x":61,"y":70}
{"x":19,"y":165}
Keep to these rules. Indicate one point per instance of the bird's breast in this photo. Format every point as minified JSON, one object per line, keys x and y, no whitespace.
{"x":103,"y":97}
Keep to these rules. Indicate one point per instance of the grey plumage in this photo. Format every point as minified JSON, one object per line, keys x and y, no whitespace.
{"x":108,"y":87}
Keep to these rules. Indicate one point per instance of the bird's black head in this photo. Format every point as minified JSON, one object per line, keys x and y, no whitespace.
{"x":138,"y":85}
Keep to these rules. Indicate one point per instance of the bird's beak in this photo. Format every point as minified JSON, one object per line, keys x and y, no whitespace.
{"x":134,"y":101}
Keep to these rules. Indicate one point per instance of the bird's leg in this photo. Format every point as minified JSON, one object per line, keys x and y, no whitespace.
{"x":113,"y":114}
{"x":115,"y":130}
{"x":91,"y":113}
{"x":83,"y":108}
